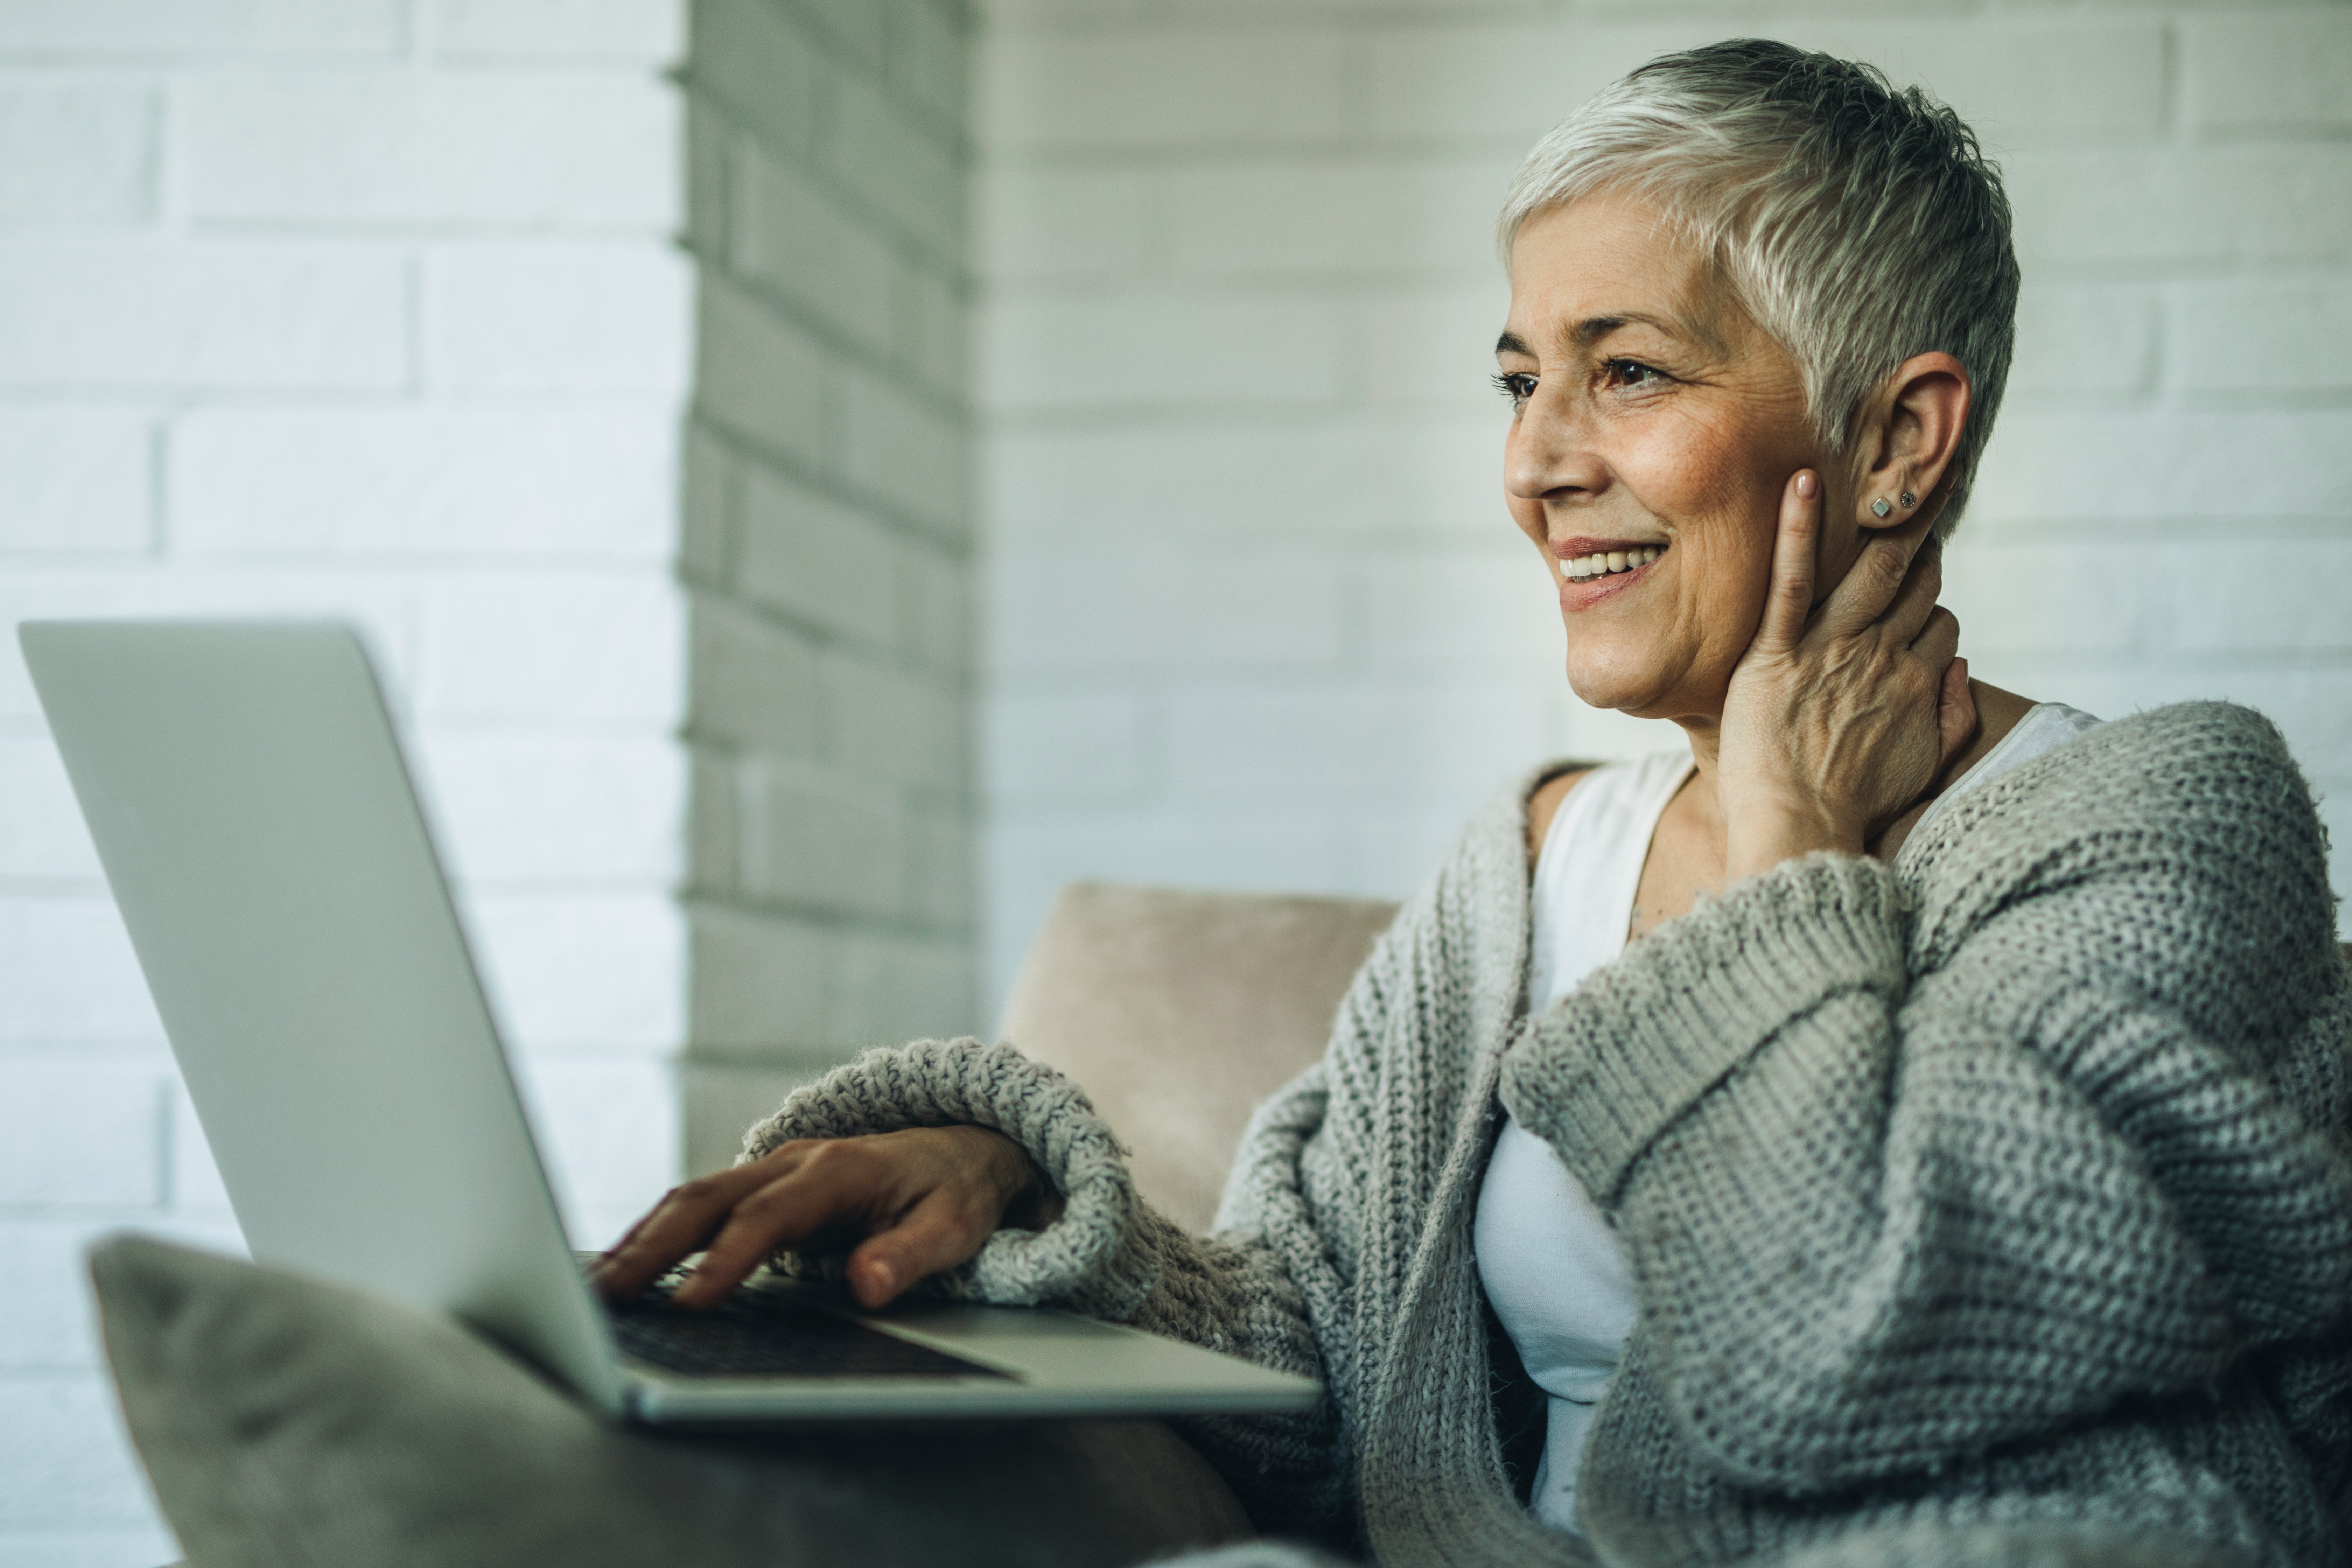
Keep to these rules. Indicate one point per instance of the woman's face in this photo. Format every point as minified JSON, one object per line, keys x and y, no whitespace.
{"x":1650,"y":413}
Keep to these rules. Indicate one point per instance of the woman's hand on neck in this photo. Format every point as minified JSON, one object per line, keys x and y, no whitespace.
{"x":1693,"y":828}
{"x":1849,"y":706}
{"x":1997,"y":713}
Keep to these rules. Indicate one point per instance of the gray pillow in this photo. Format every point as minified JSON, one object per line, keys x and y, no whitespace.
{"x":287,"y":1421}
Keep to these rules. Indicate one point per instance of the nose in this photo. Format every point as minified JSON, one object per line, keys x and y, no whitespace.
{"x":1551,"y":454}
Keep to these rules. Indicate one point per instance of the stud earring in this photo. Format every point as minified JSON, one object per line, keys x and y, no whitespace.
{"x":1881,"y":507}
{"x":1909,"y":501}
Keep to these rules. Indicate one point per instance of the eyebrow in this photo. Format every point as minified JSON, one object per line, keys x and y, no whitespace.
{"x":1593,"y":329}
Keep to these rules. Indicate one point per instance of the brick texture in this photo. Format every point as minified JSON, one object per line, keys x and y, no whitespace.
{"x":369,"y":309}
{"x":829,"y":561}
{"x":1256,"y":614}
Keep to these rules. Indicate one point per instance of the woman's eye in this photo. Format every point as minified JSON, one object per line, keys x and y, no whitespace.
{"x":1631,"y":373}
{"x":1516,"y":385}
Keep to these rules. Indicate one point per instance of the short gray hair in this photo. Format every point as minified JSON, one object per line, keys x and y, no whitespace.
{"x":1858,"y":223}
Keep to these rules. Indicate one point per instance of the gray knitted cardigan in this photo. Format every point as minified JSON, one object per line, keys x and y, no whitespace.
{"x":2003,"y":1186}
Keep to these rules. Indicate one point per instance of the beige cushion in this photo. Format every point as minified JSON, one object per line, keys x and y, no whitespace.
{"x":1179,"y":1012}
{"x":288,"y":1422}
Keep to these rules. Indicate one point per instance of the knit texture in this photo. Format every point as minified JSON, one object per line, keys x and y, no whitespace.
{"x":1996,"y":1198}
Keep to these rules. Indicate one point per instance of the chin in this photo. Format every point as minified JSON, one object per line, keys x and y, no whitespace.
{"x":1607,"y":683}
{"x":1636,"y":682}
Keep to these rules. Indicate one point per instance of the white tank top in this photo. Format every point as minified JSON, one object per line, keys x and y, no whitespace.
{"x":1548,"y":1258}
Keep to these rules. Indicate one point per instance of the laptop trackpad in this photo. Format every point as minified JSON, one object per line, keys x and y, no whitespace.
{"x":771,"y":1334}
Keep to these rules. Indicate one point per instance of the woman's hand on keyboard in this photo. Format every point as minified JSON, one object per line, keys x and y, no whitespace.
{"x":904,"y":1204}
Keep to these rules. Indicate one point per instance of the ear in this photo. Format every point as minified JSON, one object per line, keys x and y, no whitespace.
{"x":1908,"y":439}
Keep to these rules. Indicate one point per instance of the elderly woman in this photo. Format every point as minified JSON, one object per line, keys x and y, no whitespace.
{"x":1918,"y":1112}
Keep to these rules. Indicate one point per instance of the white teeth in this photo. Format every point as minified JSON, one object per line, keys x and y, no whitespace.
{"x":1585,"y":568}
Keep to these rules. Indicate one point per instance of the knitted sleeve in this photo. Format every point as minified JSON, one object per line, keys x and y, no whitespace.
{"x":1895,"y":1193}
{"x":1264,"y":1291}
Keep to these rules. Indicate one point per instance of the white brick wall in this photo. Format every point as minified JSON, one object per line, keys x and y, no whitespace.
{"x":371,"y":308}
{"x":828,"y":557}
{"x":1257,"y":615}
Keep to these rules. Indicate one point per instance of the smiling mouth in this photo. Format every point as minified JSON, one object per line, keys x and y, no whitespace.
{"x":1602,"y":563}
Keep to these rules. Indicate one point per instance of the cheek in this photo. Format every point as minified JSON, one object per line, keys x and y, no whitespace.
{"x":1693,"y":469}
{"x":1717,"y":483}
{"x":1732,"y":570}
{"x":1730,"y":552}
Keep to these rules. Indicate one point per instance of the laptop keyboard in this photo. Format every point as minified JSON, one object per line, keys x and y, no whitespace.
{"x":751,"y":1335}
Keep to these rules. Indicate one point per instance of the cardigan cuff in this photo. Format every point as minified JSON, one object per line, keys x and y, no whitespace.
{"x":1090,"y":1258}
{"x":1605,"y":1072}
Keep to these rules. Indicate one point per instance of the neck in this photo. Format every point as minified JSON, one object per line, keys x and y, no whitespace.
{"x":1701,"y":806}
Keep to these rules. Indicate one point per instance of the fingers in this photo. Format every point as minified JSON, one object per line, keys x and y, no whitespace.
{"x":1955,"y":713}
{"x":1939,"y":640}
{"x":1876,"y":578}
{"x":682,"y":1222}
{"x":834,"y":1187}
{"x":1796,"y":549}
{"x":1915,"y":602}
{"x":1937,"y":647}
{"x":922,"y":1199}
{"x":1932,"y":509}
{"x":942,"y":1231}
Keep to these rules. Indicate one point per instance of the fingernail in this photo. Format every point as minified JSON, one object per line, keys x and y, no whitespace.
{"x":1806,"y":483}
{"x":885,"y":1277}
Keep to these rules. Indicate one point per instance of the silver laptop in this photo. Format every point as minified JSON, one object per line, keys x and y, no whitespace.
{"x":250,"y":803}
